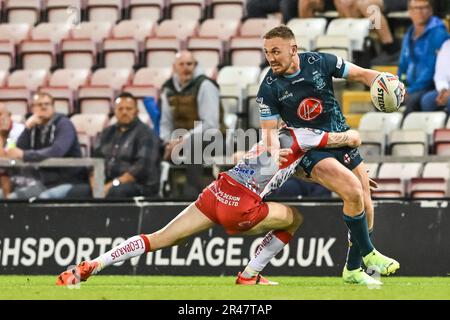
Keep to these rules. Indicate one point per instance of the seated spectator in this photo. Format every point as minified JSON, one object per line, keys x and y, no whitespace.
{"x":309,"y":8}
{"x":9,"y":133}
{"x":420,"y":45}
{"x":190,"y":100}
{"x":131,"y":151}
{"x":261,"y":8}
{"x":47,"y":134}
{"x":376,"y":11}
{"x":439,"y":98}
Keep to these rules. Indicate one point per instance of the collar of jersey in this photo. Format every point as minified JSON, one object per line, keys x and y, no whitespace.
{"x":290,"y":76}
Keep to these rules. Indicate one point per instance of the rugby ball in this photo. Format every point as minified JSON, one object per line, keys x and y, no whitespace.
{"x":387,"y":92}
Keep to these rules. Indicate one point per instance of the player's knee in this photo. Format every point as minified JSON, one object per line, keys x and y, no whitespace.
{"x":353,"y":193}
{"x":297,"y":218}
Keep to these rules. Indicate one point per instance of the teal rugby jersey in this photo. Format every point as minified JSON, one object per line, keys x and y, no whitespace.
{"x":306,"y":98}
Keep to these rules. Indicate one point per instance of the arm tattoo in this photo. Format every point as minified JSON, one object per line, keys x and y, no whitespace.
{"x":338,"y":139}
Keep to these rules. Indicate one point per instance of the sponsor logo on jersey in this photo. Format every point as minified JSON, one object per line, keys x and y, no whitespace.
{"x":271,"y":80}
{"x":314,"y":58}
{"x":286,"y":95}
{"x":309,"y":109}
{"x":245,"y":171}
{"x":339,"y":63}
{"x":298,"y":80}
{"x":264,"y":109}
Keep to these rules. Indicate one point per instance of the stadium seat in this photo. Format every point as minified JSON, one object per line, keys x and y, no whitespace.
{"x":393,"y":178}
{"x":373,"y":143}
{"x":180,"y":29}
{"x":23,"y":11}
{"x":15,"y":32}
{"x":104,"y":10}
{"x":40,"y":52}
{"x":355,"y":101}
{"x":246,"y":51}
{"x":7,"y":55}
{"x":160,"y":52}
{"x":207,"y":51}
{"x":97,"y":97}
{"x":54,"y":32}
{"x":257,"y":27}
{"x":30,"y":79}
{"x":3,"y":77}
{"x":427,"y":121}
{"x":85,"y":142}
{"x":146,"y":9}
{"x":232,"y":92}
{"x":227,"y":9}
{"x":137,"y":29}
{"x":186,"y":9}
{"x":408,"y":142}
{"x":337,"y":45}
{"x":63,"y":86}
{"x":152,"y":76}
{"x":304,"y":44}
{"x":359,"y":30}
{"x":88,"y":127}
{"x":19,"y":87}
{"x":308,"y":29}
{"x":78,"y":53}
{"x":93,"y":30}
{"x":120,"y":52}
{"x":433,"y":183}
{"x":64,"y":11}
{"x":218,"y":28}
{"x":441,"y":142}
{"x":380,"y":121}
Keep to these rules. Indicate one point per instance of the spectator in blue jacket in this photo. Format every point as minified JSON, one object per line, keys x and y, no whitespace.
{"x":48,"y":134}
{"x":419,"y":50}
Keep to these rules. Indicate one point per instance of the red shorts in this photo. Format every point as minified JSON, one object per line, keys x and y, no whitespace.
{"x":228,"y":203}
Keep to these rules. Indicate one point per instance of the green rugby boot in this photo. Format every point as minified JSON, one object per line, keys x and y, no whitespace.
{"x":380,"y":263}
{"x":358,"y":276}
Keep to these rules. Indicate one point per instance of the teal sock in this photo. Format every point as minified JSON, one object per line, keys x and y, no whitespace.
{"x":354,"y":258}
{"x":359,"y":232}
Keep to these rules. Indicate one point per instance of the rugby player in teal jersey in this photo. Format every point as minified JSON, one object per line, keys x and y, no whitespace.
{"x":298,"y":90}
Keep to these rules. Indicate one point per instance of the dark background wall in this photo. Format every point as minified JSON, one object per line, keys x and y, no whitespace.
{"x":45,"y":238}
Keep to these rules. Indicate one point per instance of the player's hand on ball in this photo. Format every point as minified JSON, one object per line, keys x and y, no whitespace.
{"x":402,"y":87}
{"x":282,"y":156}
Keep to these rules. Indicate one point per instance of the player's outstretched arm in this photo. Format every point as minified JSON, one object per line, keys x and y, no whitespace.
{"x":362,"y":75}
{"x":348,"y":138}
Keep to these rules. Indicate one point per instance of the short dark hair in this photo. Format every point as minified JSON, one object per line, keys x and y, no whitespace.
{"x":125,"y":95}
{"x":281,"y":31}
{"x":430,"y":2}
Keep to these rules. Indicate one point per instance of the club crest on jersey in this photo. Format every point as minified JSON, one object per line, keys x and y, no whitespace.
{"x":318,"y":81}
{"x":309,"y":109}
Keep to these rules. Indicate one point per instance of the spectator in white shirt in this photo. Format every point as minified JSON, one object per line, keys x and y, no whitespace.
{"x":439,"y":98}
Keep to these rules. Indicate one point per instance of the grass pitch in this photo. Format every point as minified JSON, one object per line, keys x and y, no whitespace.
{"x":211,"y":288}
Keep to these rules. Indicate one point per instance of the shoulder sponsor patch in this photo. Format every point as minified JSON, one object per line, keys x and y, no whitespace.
{"x":264,"y":109}
{"x":339,"y":63}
